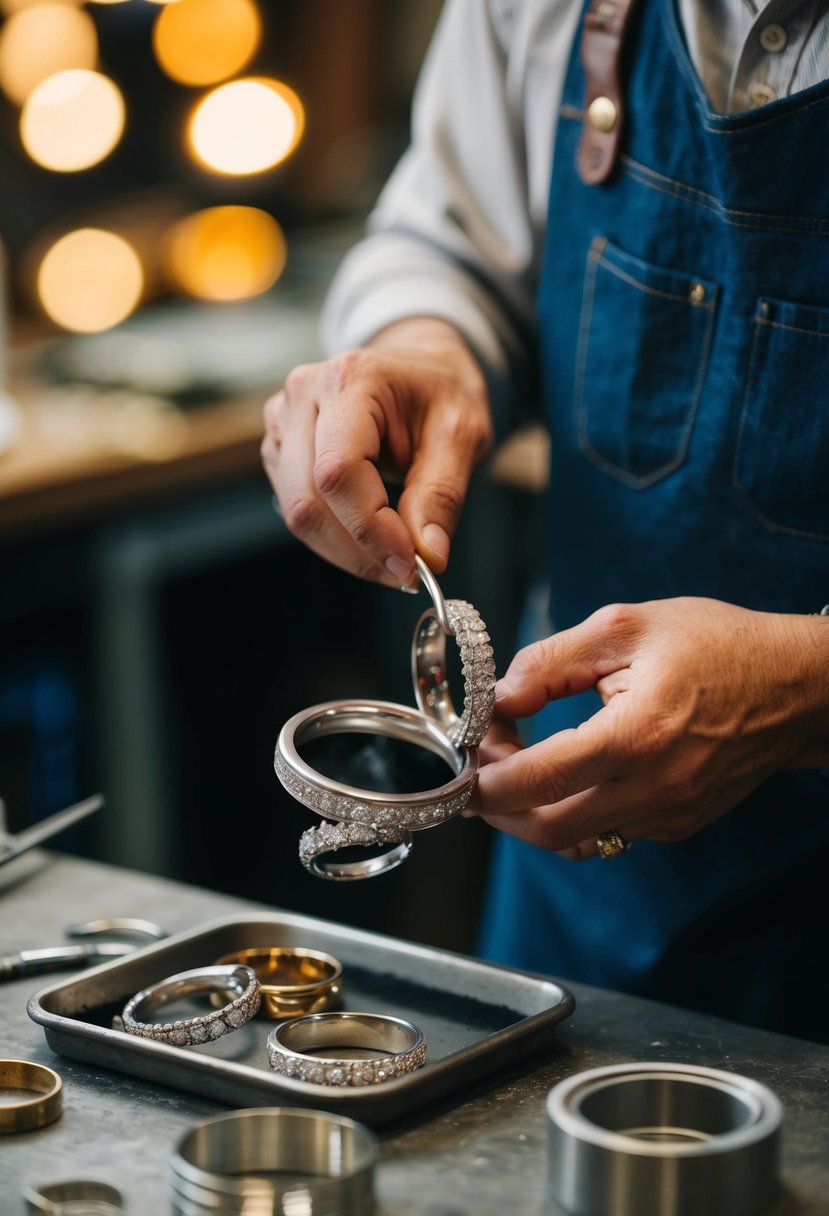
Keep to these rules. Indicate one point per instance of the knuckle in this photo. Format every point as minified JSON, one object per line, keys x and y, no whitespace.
{"x":302,"y":514}
{"x":447,"y":498}
{"x":347,"y":366}
{"x":650,"y":740}
{"x":543,"y":782}
{"x":532,"y":661}
{"x":619,"y":620}
{"x":330,"y":473}
{"x":362,"y":532}
{"x":297,"y":381}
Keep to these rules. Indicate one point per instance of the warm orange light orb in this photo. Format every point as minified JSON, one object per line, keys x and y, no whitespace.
{"x":37,"y":42}
{"x":226,"y":253}
{"x":201,"y":42}
{"x":72,"y":120}
{"x":90,"y":280}
{"x":9,"y":7}
{"x":246,"y":126}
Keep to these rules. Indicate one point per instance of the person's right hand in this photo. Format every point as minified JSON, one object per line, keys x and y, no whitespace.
{"x":411,"y":404}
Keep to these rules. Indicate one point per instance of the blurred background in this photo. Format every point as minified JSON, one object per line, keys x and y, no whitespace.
{"x":179,"y":181}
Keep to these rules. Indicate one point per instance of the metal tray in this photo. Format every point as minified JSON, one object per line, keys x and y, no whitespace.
{"x":476,"y":1017}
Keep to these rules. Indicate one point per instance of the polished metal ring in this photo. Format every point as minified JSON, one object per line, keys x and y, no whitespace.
{"x":663,"y":1139}
{"x":232,"y":1163}
{"x":346,"y":803}
{"x":292,"y":981}
{"x":29,"y":1113}
{"x":201,"y":982}
{"x":385,"y":1047}
{"x":328,"y":838}
{"x":611,"y":845}
{"x":83,"y":1196}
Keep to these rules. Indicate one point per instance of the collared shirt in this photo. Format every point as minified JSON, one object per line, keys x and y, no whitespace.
{"x":458,"y":231}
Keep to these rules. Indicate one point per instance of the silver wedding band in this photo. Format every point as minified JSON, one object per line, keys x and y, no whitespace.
{"x":346,"y":1049}
{"x":349,"y":804}
{"x":187,"y":1032}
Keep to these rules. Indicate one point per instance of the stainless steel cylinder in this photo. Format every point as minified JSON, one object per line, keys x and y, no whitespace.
{"x":275,"y":1162}
{"x":663,"y":1140}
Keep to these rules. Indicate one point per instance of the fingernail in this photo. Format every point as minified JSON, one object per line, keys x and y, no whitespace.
{"x":502,"y":689}
{"x":402,"y":570}
{"x":437,"y":539}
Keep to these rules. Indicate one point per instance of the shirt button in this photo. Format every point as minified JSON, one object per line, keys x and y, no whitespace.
{"x":773,"y":38}
{"x":762,"y":94}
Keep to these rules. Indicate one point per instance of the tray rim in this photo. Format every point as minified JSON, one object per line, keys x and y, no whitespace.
{"x":371,"y":1104}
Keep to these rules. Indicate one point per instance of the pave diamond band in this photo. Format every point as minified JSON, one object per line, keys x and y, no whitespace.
{"x":335,"y":800}
{"x":329,"y":837}
{"x":346,"y":1049}
{"x":478,"y":665}
{"x":186,"y":1032}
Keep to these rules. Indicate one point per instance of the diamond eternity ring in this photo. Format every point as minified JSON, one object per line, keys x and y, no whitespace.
{"x":241,"y":1008}
{"x":346,"y":1048}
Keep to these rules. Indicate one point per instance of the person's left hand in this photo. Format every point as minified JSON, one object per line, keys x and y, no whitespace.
{"x":702,"y":702}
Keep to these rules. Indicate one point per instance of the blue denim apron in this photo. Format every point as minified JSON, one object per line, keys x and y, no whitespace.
{"x":684,"y":343}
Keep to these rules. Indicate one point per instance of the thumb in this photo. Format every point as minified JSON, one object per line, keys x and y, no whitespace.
{"x":566,"y":663}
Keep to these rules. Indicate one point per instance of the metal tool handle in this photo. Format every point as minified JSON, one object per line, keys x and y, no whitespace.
{"x":59,"y":958}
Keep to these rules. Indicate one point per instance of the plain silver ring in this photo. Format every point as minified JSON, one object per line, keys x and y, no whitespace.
{"x":399,"y":1048}
{"x":349,"y":804}
{"x":189,"y":1031}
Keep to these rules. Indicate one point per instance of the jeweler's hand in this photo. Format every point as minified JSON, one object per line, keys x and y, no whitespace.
{"x":412,"y":404}
{"x":702,"y":702}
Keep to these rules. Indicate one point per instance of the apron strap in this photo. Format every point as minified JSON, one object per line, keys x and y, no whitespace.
{"x":605,"y":25}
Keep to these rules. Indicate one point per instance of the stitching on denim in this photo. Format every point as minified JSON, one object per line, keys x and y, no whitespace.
{"x":820,"y":228}
{"x":632,"y":480}
{"x":653,"y":180}
{"x":735,"y":469}
{"x":593,"y":258}
{"x":573,"y":112}
{"x":686,"y":190}
{"x":767,"y":120}
{"x":652,"y":291}
{"x":792,"y":329}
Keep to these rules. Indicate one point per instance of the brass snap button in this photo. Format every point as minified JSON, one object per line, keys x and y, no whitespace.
{"x":602,"y":113}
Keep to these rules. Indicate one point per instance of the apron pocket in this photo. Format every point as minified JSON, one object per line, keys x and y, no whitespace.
{"x":644,"y":340}
{"x":781,"y":467}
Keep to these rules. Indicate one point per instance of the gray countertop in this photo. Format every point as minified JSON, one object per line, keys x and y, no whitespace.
{"x":482,"y":1151}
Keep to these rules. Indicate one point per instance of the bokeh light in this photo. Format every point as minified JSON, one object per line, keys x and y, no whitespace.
{"x":10,"y":7}
{"x":38,"y":42}
{"x":72,"y":120}
{"x":89,"y":280}
{"x":246,"y":126}
{"x":226,"y":253}
{"x":200,"y":42}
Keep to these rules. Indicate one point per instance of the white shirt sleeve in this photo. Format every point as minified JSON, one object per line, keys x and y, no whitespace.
{"x":457,"y":231}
